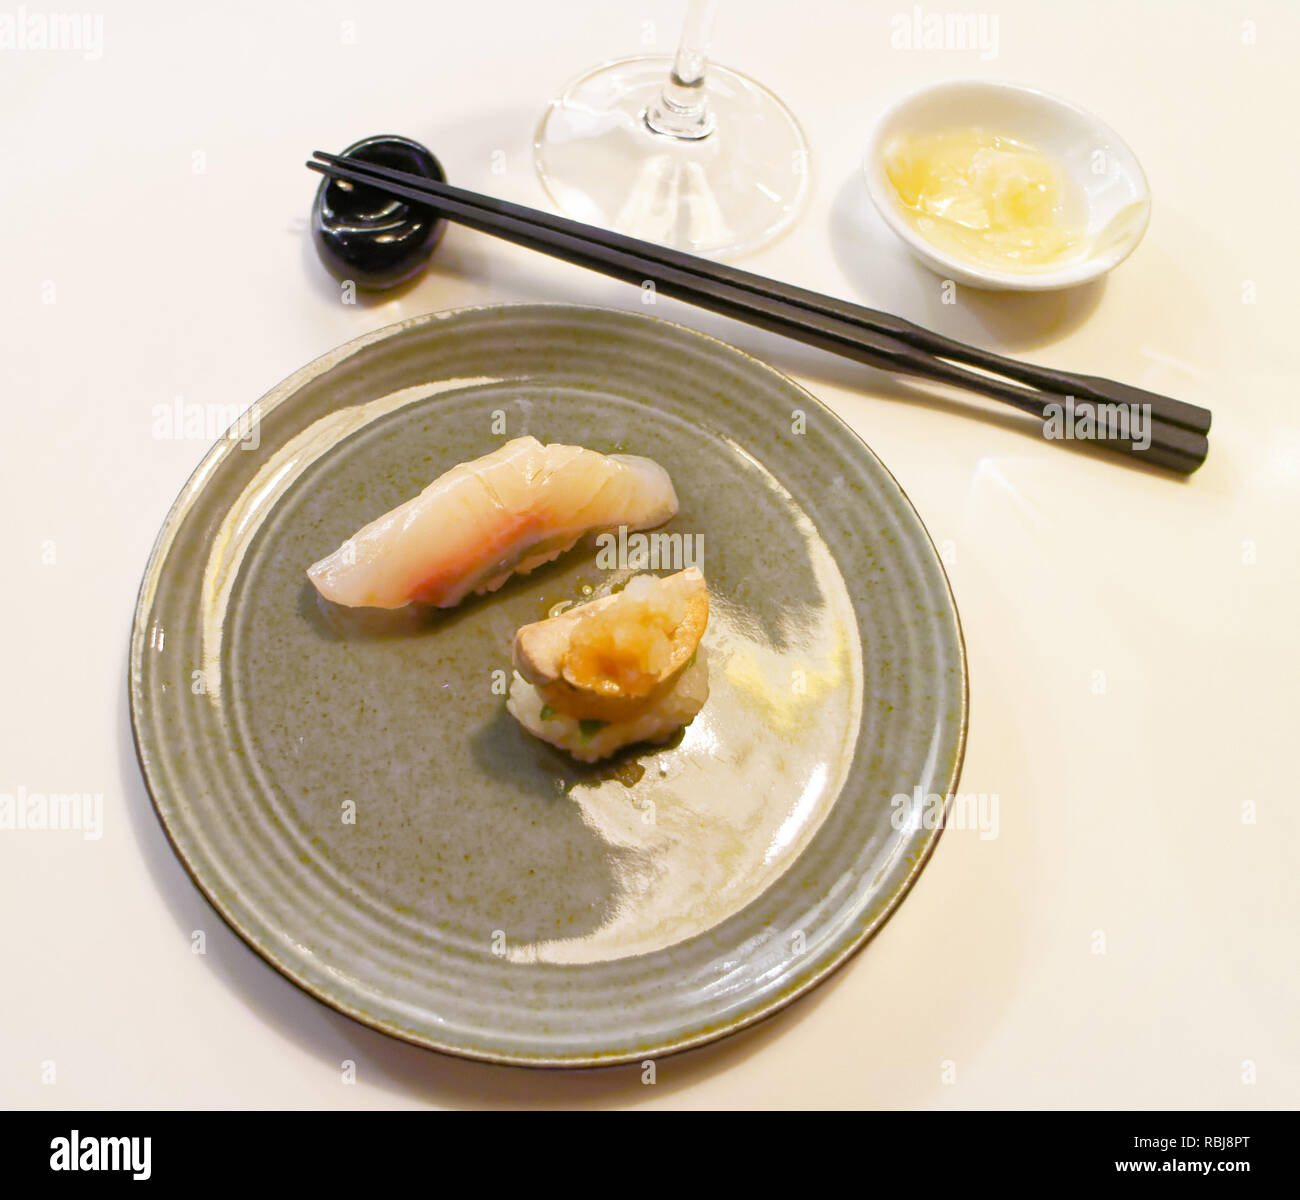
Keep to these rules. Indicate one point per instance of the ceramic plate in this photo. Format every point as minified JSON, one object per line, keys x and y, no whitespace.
{"x":348,"y":790}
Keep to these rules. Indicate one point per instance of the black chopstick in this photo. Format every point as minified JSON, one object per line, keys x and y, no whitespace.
{"x":1164,"y":408}
{"x":693,"y":279}
{"x":1171,"y":447}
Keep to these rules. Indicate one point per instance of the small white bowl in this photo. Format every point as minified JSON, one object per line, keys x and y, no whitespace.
{"x":1091,"y":153}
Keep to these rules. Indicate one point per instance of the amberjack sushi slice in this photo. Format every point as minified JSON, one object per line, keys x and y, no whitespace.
{"x":626,"y":668}
{"x":483,"y":521}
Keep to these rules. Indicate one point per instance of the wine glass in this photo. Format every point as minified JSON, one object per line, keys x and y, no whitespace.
{"x":675,"y":150}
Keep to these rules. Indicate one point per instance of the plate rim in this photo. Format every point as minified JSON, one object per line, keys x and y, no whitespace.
{"x":150,"y":578}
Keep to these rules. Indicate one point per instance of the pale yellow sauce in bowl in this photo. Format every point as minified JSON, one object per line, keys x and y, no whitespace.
{"x":1004,"y":187}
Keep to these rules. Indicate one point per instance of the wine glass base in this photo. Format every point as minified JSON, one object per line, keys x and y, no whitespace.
{"x":722,"y":194}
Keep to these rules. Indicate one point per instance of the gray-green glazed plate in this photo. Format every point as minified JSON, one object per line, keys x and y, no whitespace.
{"x":348,"y":790}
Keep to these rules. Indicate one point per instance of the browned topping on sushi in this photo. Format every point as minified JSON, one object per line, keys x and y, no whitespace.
{"x":613,"y":658}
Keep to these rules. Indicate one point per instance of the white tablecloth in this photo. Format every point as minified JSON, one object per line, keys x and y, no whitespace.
{"x":1128,"y":938}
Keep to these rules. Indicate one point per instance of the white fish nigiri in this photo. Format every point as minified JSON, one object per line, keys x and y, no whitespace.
{"x":483,"y":521}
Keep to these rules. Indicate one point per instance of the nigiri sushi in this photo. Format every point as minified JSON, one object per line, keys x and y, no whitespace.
{"x":622,"y":669}
{"x":483,"y":521}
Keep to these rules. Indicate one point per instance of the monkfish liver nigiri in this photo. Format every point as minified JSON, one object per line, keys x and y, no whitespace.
{"x":623,"y":669}
{"x":483,"y":521}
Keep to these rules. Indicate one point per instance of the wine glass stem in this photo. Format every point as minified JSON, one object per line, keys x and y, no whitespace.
{"x":682,"y":110}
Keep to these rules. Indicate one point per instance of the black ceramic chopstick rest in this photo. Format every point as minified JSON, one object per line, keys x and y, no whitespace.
{"x":368,"y":236}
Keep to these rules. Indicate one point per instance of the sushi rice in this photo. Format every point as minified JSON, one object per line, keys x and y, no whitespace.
{"x":590,"y":741}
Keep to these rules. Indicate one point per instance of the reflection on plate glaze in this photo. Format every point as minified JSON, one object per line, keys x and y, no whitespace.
{"x":719,"y":816}
{"x":271,"y":481}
